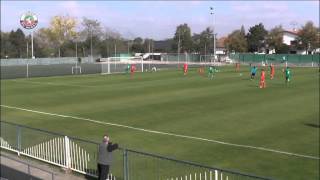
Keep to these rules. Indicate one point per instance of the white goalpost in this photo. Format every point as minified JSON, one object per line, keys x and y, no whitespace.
{"x":113,"y":65}
{"x":76,"y":69}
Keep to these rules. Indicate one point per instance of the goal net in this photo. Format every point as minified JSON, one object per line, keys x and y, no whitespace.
{"x":113,"y":65}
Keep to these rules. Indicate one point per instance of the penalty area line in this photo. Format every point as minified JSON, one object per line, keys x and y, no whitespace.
{"x":165,"y":133}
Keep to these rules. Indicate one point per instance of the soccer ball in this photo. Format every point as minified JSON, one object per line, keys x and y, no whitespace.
{"x":240,"y":74}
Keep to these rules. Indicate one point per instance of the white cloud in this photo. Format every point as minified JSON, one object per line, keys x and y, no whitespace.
{"x":71,"y":7}
{"x":159,"y":19}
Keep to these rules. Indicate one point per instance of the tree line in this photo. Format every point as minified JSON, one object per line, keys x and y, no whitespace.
{"x":259,"y":39}
{"x":67,"y":37}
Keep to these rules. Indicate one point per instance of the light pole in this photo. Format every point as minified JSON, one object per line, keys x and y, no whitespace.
{"x":91,"y":43}
{"x":76,"y":49}
{"x":214,"y":35}
{"x":179,"y":50}
{"x":149,"y":49}
{"x":27,"y":49}
{"x":32,"y":55}
{"x":128,"y":47}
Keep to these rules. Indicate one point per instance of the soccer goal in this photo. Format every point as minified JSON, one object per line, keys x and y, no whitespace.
{"x":113,"y":65}
{"x":76,"y":69}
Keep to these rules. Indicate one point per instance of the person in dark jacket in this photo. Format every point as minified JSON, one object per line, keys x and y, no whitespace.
{"x":105,"y":157}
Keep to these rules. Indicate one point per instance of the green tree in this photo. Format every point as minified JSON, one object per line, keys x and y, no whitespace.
{"x":61,"y":30}
{"x":137,"y":45}
{"x":6,"y":46}
{"x":17,"y":44}
{"x":275,"y":39}
{"x":256,"y":38}
{"x":148,"y":45}
{"x":18,"y":40}
{"x":236,"y":41}
{"x":308,"y":37}
{"x":283,"y":49}
{"x":44,"y":46}
{"x":196,"y":43}
{"x":206,"y":40}
{"x":183,"y":32}
{"x":92,"y":33}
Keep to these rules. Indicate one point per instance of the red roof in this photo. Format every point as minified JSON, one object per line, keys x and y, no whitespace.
{"x":291,"y":32}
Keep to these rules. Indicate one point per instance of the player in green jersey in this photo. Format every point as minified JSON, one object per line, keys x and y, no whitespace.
{"x":128,"y":68}
{"x":211,"y":71}
{"x":287,"y":75}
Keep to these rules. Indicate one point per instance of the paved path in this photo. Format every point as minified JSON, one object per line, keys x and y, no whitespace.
{"x":18,"y":169}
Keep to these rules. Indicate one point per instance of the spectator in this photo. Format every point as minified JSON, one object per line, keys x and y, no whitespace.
{"x":105,"y":157}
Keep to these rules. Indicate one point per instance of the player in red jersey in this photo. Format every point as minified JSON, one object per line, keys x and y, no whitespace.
{"x":237,"y":67}
{"x":262,"y":79}
{"x":185,"y":68}
{"x":201,"y":70}
{"x":271,"y":71}
{"x":132,"y":70}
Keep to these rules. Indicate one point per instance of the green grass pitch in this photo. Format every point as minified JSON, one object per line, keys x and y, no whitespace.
{"x":228,"y":108}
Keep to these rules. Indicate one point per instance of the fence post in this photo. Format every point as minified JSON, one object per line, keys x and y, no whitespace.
{"x":67,"y":152}
{"x":243,"y":58}
{"x":108,"y":65}
{"x":142,"y":64}
{"x":125,"y":165}
{"x":27,"y":69}
{"x":216,"y":176}
{"x":19,"y":139}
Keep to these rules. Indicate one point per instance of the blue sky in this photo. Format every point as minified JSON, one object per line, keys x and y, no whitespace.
{"x":158,"y":19}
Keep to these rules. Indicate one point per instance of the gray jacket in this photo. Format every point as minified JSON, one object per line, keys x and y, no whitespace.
{"x":105,"y":153}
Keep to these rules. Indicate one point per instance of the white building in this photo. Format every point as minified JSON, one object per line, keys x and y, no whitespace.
{"x":288,"y":37}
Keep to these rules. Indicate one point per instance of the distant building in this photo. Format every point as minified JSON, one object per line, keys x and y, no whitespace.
{"x":221,"y":47}
{"x":289,"y":37}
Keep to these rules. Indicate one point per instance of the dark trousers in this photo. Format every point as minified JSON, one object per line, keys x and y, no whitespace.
{"x":103,"y":171}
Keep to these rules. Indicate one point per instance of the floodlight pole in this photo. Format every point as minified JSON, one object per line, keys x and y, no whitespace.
{"x":91,"y":43}
{"x":32,"y":56}
{"x":205,"y":51}
{"x":214,"y":35}
{"x":149,"y":50}
{"x":76,"y":49}
{"x":128,"y":47}
{"x":179,"y":50}
{"x":214,"y":46}
{"x":27,"y":49}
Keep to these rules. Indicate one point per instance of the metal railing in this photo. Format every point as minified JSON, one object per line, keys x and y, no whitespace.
{"x":311,"y":60}
{"x":29,"y":167}
{"x":81,"y":156}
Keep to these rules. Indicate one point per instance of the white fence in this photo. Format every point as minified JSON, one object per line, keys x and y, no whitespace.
{"x":43,"y":61}
{"x":81,"y":156}
{"x":60,"y":151}
{"x":206,"y":175}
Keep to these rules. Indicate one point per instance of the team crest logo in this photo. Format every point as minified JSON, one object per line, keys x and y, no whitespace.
{"x":28,"y":20}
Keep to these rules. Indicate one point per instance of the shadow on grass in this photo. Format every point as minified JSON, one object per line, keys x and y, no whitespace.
{"x":90,"y":178}
{"x":312,"y":125}
{"x":253,"y":85}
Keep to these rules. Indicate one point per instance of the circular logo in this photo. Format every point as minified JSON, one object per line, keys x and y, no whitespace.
{"x":29,"y":20}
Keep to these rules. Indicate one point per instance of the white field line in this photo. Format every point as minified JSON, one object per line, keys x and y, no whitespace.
{"x":166,"y":133}
{"x":50,"y":83}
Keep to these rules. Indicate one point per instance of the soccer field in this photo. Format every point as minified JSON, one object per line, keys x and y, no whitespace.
{"x":226,"y":122}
